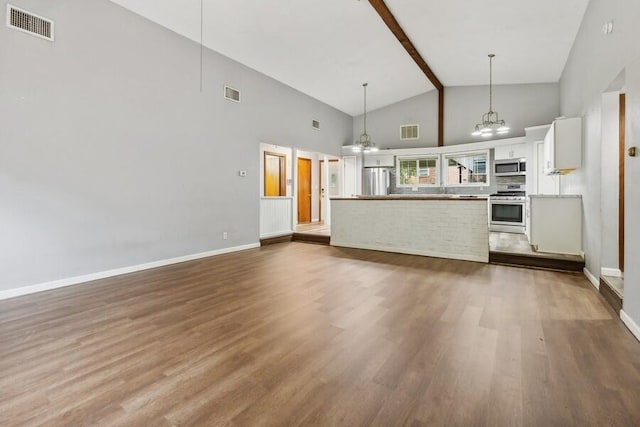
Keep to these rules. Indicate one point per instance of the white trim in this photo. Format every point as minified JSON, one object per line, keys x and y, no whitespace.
{"x":275,"y":197}
{"x":611,"y":272}
{"x":25,"y":290}
{"x":631,"y":324}
{"x":592,"y":279}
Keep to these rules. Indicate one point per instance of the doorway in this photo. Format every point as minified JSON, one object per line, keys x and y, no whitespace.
{"x":304,"y":190}
{"x":321,"y":189}
{"x":330,"y":187}
{"x":621,"y":155}
{"x":275,"y":174}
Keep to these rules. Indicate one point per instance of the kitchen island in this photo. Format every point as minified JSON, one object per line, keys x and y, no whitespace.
{"x":443,"y":226}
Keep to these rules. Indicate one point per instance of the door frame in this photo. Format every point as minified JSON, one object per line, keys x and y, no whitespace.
{"x":310,"y":162}
{"x":283,"y":173}
{"x":621,"y":160}
{"x":320,"y":188}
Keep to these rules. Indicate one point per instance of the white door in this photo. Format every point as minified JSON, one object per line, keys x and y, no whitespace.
{"x":546,"y":184}
{"x":349,"y":181}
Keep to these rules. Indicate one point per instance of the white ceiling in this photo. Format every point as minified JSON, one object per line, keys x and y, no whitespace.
{"x":328,"y":48}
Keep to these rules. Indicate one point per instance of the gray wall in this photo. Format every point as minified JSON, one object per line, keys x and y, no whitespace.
{"x":594,"y":63}
{"x":520,"y":105}
{"x":110,"y":155}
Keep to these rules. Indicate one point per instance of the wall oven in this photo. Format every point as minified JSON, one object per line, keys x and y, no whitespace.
{"x":510,"y":167}
{"x":507,"y":209}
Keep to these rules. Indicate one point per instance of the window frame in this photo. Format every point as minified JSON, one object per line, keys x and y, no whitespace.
{"x":445,"y":161}
{"x":435,"y":157}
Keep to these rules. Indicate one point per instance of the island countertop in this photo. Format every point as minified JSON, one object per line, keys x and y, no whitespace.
{"x":448,"y":197}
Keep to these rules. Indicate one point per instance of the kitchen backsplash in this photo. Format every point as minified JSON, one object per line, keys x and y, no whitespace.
{"x":516,"y":179}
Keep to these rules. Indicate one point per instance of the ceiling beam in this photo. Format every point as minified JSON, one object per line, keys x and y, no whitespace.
{"x":396,"y":29}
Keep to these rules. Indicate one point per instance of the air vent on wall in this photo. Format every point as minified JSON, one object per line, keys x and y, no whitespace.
{"x":231,"y":94}
{"x":29,"y":23}
{"x":315,"y":124}
{"x":409,"y":132}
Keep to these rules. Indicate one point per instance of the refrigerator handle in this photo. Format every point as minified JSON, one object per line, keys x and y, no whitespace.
{"x":388,"y":179}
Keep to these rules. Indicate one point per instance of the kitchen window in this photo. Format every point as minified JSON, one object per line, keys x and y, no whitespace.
{"x":417,"y":171}
{"x":467,"y":169}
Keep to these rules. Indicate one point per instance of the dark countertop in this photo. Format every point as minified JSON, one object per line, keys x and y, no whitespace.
{"x":447,"y":197}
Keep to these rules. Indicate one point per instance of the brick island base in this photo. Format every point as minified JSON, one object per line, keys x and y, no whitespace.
{"x":443,"y":227}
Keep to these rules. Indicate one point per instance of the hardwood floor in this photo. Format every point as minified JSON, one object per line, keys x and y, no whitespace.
{"x":298,"y":334}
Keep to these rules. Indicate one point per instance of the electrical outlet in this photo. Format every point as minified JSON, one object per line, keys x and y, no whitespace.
{"x":224,"y":235}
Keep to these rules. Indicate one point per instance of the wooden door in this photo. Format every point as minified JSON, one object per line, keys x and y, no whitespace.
{"x":304,"y":190}
{"x":275,"y":174}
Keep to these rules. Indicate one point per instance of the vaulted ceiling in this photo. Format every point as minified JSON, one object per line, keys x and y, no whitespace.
{"x":328,"y":48}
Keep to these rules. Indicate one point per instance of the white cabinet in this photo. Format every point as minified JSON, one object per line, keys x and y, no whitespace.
{"x":556,"y":223}
{"x":514,"y":151}
{"x":379,"y":161}
{"x":563,"y":146}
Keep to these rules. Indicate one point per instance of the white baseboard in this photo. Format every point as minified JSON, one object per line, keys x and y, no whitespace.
{"x":631,"y":324}
{"x":592,"y":279}
{"x":612,"y":272}
{"x":25,"y":290}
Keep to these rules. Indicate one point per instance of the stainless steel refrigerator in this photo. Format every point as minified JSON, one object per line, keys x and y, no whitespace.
{"x":375,"y":181}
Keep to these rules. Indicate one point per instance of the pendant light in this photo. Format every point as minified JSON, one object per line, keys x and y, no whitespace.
{"x":491,"y":124}
{"x":364,"y":144}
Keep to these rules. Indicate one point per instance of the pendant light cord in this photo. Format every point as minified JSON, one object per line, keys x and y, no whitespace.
{"x":491,"y":55}
{"x":364,"y":85}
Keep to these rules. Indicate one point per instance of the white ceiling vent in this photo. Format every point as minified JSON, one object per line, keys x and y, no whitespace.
{"x":315,"y":124}
{"x":231,"y":94}
{"x":29,"y":23}
{"x":409,"y":132}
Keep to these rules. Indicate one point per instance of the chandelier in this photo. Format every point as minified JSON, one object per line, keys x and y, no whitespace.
{"x":364,"y":144}
{"x":491,"y":123}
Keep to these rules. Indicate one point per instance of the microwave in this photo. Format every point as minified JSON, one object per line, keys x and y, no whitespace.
{"x":510,"y":167}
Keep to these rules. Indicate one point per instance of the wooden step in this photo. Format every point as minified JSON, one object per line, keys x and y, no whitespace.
{"x":320,"y":239}
{"x":277,"y":239}
{"x":611,"y":295}
{"x":544,"y":262}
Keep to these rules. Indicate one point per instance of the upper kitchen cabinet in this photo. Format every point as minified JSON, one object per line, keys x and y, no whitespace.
{"x":513,"y":151}
{"x":379,"y":161}
{"x":563,"y":146}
